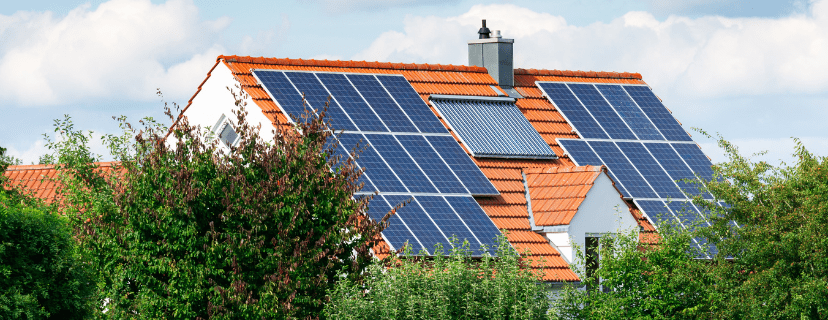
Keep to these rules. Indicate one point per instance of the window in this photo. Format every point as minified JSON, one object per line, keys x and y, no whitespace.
{"x":228,"y":135}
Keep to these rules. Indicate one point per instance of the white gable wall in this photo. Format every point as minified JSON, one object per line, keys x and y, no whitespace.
{"x":602,"y":212}
{"x":214,"y":100}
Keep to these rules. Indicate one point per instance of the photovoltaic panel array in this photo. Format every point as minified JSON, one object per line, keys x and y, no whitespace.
{"x":681,"y":214}
{"x":652,"y":160}
{"x":612,"y":111}
{"x":493,"y":127}
{"x":406,"y":153}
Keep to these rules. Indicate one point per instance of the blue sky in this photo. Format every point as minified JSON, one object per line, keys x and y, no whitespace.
{"x":756,"y":72}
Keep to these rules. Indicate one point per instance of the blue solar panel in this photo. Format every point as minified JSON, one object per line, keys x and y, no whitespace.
{"x":658,"y":212}
{"x":477,"y":220}
{"x":412,"y":104}
{"x":650,"y":170}
{"x":419,"y":223}
{"x":573,"y":110}
{"x":675,"y":167}
{"x":344,"y":156}
{"x":629,"y":111}
{"x":448,"y":221}
{"x":622,"y":169}
{"x":687,"y":213}
{"x":396,"y":232}
{"x":431,"y":163}
{"x":382,"y":176}
{"x":381,"y":102}
{"x":602,"y":111}
{"x":401,"y":163}
{"x":283,"y":92}
{"x":494,"y":128}
{"x":349,"y":99}
{"x":462,"y":165}
{"x":696,"y":159}
{"x":655,"y":110}
{"x":316,"y":96}
{"x":580,"y":153}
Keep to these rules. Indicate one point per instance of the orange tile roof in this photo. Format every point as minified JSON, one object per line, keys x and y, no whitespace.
{"x":40,"y":181}
{"x":557,"y":192}
{"x":508,"y":211}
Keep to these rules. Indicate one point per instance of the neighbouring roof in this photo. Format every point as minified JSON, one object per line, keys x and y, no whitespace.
{"x":41,"y":181}
{"x":557,"y":192}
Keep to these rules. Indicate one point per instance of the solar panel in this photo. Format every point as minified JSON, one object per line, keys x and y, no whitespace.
{"x":407,"y":153}
{"x":448,"y":221}
{"x":663,"y":214}
{"x":695,"y":158}
{"x":381,"y":102}
{"x":431,"y":163}
{"x":350,"y":100}
{"x":419,"y":223}
{"x":623,"y":170}
{"x":477,"y":220}
{"x":462,"y":165}
{"x":343,"y":156}
{"x":602,"y":111}
{"x":379,"y":172}
{"x":630,"y":112}
{"x":316,"y":96}
{"x":493,"y":128}
{"x":412,"y":104}
{"x":675,"y":167}
{"x":658,"y":114}
{"x":397,"y":232}
{"x":650,"y":170}
{"x":401,"y":163}
{"x":573,"y":110}
{"x":280,"y":88}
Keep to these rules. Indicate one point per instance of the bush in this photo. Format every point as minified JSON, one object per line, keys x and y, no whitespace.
{"x":41,"y":276}
{"x":447,"y":287}
{"x":193,"y":231}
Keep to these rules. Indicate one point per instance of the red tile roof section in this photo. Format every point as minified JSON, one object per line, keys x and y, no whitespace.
{"x":557,"y":192}
{"x":41,"y":181}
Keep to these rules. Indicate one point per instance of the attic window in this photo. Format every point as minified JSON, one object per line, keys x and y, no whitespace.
{"x":492,"y":127}
{"x":228,"y":135}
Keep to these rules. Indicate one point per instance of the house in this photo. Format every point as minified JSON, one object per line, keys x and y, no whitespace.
{"x":554,"y":159}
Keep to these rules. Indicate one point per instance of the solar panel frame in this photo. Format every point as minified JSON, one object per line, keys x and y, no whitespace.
{"x":432,"y":164}
{"x":477,"y":220}
{"x":695,"y":159}
{"x":411,"y":104}
{"x":617,"y":162}
{"x":283,"y":93}
{"x":401,"y":163}
{"x":448,"y":221}
{"x":473,"y":120}
{"x":349,"y":98}
{"x":582,"y":155}
{"x":382,"y":176}
{"x":657,"y":112}
{"x":630,"y":113}
{"x":420,"y":223}
{"x":676,"y":167}
{"x":382,"y":103}
{"x":650,"y":170}
{"x":572,"y":110}
{"x":602,"y":111}
{"x":316,"y":95}
{"x":462,"y":165}
{"x":397,"y":233}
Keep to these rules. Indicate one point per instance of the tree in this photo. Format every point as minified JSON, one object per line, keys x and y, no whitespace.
{"x":445,"y":287}
{"x":191,"y":230}
{"x":772,"y":260}
{"x":41,"y":275}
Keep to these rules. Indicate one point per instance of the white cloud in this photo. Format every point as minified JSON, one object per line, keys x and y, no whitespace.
{"x":121,"y":48}
{"x":702,"y":57}
{"x":342,"y":6}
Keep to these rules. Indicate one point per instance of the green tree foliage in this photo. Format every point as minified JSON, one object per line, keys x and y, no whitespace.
{"x":41,"y":276}
{"x":772,"y":264}
{"x":447,"y":287}
{"x":186,"y":229}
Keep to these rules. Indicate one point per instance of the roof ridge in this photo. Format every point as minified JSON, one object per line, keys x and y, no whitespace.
{"x":352,"y":64}
{"x":578,"y":73}
{"x":572,"y":169}
{"x":25,"y":167}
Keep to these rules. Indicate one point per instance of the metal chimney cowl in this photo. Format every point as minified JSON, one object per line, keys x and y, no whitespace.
{"x":495,"y":54}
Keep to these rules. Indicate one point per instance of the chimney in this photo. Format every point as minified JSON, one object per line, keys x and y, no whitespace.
{"x":494,"y":53}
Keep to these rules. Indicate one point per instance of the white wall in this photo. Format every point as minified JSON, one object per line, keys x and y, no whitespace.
{"x":214,"y":100}
{"x":602,"y":212}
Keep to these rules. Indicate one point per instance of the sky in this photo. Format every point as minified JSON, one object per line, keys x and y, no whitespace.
{"x":755,"y":72}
